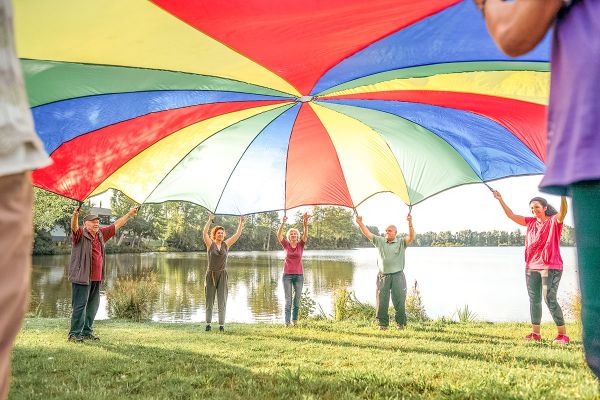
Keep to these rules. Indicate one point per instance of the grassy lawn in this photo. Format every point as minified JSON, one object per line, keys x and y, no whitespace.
{"x":317,"y":360}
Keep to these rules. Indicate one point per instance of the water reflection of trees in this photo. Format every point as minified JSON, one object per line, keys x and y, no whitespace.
{"x":182,"y":280}
{"x":323,"y":276}
{"x":181,"y":276}
{"x":50,"y":289}
{"x":262,"y":290}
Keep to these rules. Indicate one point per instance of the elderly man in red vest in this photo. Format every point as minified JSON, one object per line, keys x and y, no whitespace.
{"x":86,"y":270}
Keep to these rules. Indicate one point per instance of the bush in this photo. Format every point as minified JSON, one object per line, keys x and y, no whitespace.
{"x":113,"y":248}
{"x":347,"y":306}
{"x":465,"y":314}
{"x":573,"y":307}
{"x":307,"y":305}
{"x":133,"y":298}
{"x":340,"y":304}
{"x":415,"y":310}
{"x":42,"y":243}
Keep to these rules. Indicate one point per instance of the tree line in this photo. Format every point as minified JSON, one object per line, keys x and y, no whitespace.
{"x":177,"y":226}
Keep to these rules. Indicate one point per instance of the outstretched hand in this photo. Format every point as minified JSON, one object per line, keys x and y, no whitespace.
{"x":305,"y":218}
{"x":409,"y":219}
{"x":358,"y":219}
{"x":497,"y":195}
{"x":133,"y":211}
{"x":284,"y":219}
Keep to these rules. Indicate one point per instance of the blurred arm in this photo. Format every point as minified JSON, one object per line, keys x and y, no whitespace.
{"x":518,"y":26}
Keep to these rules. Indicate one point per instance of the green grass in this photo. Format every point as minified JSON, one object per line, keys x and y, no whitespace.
{"x":316,"y":360}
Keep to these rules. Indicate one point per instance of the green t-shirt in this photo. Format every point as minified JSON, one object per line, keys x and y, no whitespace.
{"x":391,"y":255}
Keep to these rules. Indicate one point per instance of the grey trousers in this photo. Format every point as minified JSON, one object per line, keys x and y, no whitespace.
{"x":215,"y":283}
{"x":396,"y":284}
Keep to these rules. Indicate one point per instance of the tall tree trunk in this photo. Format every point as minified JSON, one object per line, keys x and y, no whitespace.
{"x":267,"y":245}
{"x":121,"y":238}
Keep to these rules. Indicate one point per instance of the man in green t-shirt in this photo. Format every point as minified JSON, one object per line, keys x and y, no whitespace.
{"x":391,"y":278}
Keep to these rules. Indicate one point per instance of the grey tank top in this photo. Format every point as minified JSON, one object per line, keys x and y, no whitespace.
{"x":217,"y":259}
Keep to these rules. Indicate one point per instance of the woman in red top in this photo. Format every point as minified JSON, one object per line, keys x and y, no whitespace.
{"x":293,"y":274}
{"x":543,"y":261}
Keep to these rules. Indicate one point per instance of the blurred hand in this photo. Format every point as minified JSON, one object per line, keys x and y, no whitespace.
{"x":497,"y":195}
{"x":479,"y":4}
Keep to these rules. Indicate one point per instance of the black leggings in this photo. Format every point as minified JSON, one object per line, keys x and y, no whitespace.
{"x":538,"y":285}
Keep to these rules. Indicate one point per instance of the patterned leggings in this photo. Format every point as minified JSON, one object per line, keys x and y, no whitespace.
{"x":539,"y":283}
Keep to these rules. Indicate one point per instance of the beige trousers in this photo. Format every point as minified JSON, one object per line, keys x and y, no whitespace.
{"x":16,"y":231}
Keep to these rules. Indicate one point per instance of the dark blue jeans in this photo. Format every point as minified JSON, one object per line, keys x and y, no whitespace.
{"x":292,"y":282}
{"x":85,"y":300}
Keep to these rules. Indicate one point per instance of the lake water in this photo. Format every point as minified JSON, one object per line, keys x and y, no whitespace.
{"x":490,"y":280}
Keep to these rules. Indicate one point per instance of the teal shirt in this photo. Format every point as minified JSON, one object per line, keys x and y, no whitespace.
{"x":391,"y":255}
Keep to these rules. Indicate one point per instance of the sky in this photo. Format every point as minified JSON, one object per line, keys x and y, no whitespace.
{"x":466,"y":207}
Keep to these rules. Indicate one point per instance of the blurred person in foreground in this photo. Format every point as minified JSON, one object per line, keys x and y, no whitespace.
{"x":573,"y":162}
{"x":20,"y":152}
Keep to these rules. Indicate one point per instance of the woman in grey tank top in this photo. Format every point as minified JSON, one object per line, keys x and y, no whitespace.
{"x":216,"y":276}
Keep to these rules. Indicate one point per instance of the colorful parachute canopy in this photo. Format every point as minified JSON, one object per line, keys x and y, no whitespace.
{"x":256,"y":105}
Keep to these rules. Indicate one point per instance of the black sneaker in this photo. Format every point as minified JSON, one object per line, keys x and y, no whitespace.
{"x":221,"y":328}
{"x":75,"y":339}
{"x":207,"y":329}
{"x":90,"y":337}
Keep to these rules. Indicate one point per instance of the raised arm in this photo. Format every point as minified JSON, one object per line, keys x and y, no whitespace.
{"x":75,"y":220}
{"x":411,"y":232}
{"x":365,"y":231}
{"x":562,"y":213}
{"x":280,"y":229}
{"x":518,"y":26}
{"x":205,"y":236}
{"x":121,"y":221}
{"x":519,"y":219}
{"x":237,"y":233}
{"x":305,"y":226}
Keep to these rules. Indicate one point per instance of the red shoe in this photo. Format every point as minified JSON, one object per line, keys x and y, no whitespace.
{"x":562,"y":339}
{"x":534,"y":337}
